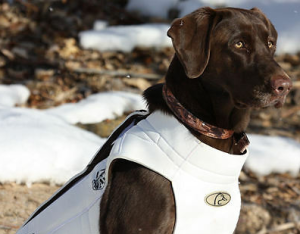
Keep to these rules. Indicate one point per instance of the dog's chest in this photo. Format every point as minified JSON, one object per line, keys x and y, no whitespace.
{"x":204,"y":180}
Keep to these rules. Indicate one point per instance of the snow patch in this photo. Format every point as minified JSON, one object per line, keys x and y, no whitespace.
{"x":98,"y":107}
{"x":37,"y":147}
{"x":100,"y":24}
{"x":11,"y":95}
{"x":126,"y":38}
{"x":154,"y":8}
{"x":273,"y":154}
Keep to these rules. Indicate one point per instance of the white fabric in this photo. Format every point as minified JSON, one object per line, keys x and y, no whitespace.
{"x":162,"y":144}
{"x":195,"y":169}
{"x":76,"y":211}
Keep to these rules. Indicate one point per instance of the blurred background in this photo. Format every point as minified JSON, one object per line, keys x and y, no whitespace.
{"x":70,"y":72}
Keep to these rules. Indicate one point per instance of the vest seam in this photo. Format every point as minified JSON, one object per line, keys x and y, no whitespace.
{"x":171,"y":147}
{"x":76,"y":215}
{"x":184,"y":158}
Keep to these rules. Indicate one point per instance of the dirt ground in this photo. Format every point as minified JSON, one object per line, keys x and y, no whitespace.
{"x":270,"y":204}
{"x":17,"y":202}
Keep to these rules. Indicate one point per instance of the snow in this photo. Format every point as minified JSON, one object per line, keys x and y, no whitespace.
{"x":100,"y":24}
{"x":125,"y":38}
{"x":154,"y":8}
{"x":38,"y":147}
{"x":10,"y":95}
{"x":273,"y":154}
{"x":189,"y":6}
{"x":98,"y":107}
{"x":44,"y":146}
{"x":284,"y":14}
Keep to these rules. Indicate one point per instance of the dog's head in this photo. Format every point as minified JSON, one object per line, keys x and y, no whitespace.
{"x":232,"y":48}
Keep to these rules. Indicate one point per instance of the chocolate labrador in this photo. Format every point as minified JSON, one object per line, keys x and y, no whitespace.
{"x":175,"y":168}
{"x":222,"y":68}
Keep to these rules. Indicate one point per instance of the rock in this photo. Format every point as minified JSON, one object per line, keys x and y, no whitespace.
{"x":105,"y":128}
{"x":253,"y":218}
{"x":43,"y":74}
{"x":293,"y":59}
{"x":285,"y":66}
{"x":70,"y":49}
{"x":72,"y":65}
{"x":20,"y":52}
{"x":296,"y":96}
{"x":8,"y":54}
{"x":293,"y":215}
{"x":139,"y":83}
{"x":2,"y":61}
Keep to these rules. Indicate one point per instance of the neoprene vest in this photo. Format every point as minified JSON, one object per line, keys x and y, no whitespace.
{"x":204,"y":181}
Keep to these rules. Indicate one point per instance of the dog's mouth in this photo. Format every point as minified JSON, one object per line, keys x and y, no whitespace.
{"x":258,"y":103}
{"x":279,"y":103}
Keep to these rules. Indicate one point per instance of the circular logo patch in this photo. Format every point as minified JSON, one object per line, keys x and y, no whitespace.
{"x":218,"y":199}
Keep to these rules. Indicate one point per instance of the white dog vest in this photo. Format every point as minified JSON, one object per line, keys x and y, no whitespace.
{"x":204,"y":182}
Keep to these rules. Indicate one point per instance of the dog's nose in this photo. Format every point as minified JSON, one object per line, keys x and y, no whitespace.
{"x":281,"y":85}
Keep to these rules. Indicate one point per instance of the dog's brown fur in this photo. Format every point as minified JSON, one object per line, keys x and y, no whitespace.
{"x":216,"y":78}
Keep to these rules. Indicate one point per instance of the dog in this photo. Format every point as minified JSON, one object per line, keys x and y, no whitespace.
{"x":222,"y":68}
{"x":175,"y":168}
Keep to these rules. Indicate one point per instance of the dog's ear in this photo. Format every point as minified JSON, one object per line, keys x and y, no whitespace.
{"x":264,"y":18}
{"x":191,"y":40}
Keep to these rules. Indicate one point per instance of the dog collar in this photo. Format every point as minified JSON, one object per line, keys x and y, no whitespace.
{"x":200,"y":126}
{"x":192,"y":121}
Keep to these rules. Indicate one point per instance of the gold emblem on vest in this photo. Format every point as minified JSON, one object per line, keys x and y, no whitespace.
{"x":218,"y":199}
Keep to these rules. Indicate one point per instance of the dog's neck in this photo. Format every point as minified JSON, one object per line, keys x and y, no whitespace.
{"x":215,"y":108}
{"x":191,"y":120}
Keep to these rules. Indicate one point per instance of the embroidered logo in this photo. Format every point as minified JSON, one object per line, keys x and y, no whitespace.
{"x":99,"y":182}
{"x":218,"y":199}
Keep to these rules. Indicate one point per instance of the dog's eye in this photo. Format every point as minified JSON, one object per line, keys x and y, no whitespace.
{"x":270,"y":44}
{"x":240,"y":45}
